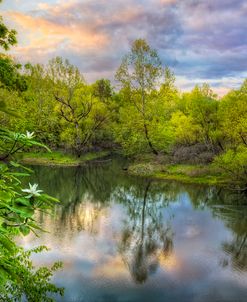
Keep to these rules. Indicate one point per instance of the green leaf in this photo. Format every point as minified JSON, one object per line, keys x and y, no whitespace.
{"x":25,"y":230}
{"x":7,"y":243}
{"x":23,"y":201}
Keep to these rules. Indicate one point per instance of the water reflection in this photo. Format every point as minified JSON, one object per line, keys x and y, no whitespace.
{"x":236,"y":248}
{"x":130,"y":239}
{"x":145,"y":238}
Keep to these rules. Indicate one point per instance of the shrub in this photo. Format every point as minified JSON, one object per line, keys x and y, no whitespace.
{"x":234,"y":164}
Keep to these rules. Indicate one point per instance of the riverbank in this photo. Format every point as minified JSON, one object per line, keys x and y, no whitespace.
{"x":143,"y":167}
{"x":198,"y":174}
{"x":58,"y":158}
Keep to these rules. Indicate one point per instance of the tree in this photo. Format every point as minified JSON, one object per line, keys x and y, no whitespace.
{"x":7,"y":36}
{"x":233,"y":115}
{"x":233,"y":127}
{"x":10,"y":76}
{"x":103,"y":90}
{"x":201,"y":108}
{"x":78,"y":106}
{"x":37,"y":106}
{"x":68,"y":81}
{"x":139,"y":74}
{"x":234,"y":164}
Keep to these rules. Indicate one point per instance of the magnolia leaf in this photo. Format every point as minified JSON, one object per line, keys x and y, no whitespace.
{"x":25,"y":230}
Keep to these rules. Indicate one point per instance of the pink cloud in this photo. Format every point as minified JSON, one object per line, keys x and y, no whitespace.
{"x":42,"y":31}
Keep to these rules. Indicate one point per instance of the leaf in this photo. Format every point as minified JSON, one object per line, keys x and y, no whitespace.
{"x":5,"y":196}
{"x":7,"y":243}
{"x":45,"y":197}
{"x":23,"y":201}
{"x":17,"y":165}
{"x":25,"y":230}
{"x":23,"y":211}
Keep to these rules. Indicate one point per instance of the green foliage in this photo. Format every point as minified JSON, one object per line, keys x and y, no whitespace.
{"x":201,"y":109}
{"x":81,"y":108}
{"x":234,"y":164}
{"x":7,"y":36}
{"x":12,"y":142}
{"x":233,"y":113}
{"x":141,"y":69}
{"x":10,"y":77}
{"x":185,"y":129}
{"x":18,"y":277}
{"x":31,"y":283}
{"x":142,"y":124}
{"x":147,"y":115}
{"x":37,"y":106}
{"x":102,"y":89}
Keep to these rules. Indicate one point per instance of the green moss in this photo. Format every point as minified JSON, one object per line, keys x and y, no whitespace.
{"x":60,"y":158}
{"x":185,"y":173}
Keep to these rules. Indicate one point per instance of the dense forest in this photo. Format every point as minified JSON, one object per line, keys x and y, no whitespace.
{"x":142,"y":112}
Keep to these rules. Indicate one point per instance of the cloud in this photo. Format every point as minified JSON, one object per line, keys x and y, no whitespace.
{"x":43,"y":29}
{"x":198,"y":39}
{"x":220,"y":85}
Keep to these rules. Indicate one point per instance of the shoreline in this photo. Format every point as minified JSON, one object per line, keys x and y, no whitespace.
{"x":192,"y":174}
{"x":58,"y":158}
{"x":184,"y":173}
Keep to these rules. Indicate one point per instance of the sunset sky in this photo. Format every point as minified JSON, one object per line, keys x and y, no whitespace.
{"x":201,"y":40}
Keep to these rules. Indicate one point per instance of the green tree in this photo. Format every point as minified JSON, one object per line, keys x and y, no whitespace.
{"x":77,"y":105}
{"x":233,"y":114}
{"x":139,"y":74}
{"x":68,"y":81}
{"x":233,"y":163}
{"x":233,"y":127}
{"x":201,"y":108}
{"x":103,"y":90}
{"x":38,"y":107}
{"x":7,"y":36}
{"x":10,"y":76}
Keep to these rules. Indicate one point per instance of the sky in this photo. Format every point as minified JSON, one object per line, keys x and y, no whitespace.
{"x":200,"y":40}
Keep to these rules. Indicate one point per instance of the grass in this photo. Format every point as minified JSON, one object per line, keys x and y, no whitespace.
{"x":57,"y":158}
{"x":200,"y":174}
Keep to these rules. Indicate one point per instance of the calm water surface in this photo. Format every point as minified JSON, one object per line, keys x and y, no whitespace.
{"x":129,"y":239}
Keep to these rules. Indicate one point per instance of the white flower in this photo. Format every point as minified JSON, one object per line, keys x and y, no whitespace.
{"x":32,"y":190}
{"x":29,"y":135}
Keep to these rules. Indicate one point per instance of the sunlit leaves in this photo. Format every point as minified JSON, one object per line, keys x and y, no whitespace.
{"x":12,"y":142}
{"x":7,"y":36}
{"x":17,"y":209}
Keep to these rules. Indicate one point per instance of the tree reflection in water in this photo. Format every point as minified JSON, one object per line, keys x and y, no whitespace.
{"x":235,"y":216}
{"x":144,"y":236}
{"x":230,"y":207}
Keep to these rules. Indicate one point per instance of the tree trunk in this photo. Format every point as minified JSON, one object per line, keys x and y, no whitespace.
{"x":149,"y":141}
{"x":77,"y":140}
{"x":143,"y":209}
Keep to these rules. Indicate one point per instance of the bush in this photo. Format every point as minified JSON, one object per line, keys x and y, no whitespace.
{"x":194,"y":154}
{"x":234,"y":164}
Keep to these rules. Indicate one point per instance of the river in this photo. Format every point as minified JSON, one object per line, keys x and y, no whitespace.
{"x":128,"y":239}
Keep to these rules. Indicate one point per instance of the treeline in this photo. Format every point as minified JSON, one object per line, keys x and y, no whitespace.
{"x":143,"y":113}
